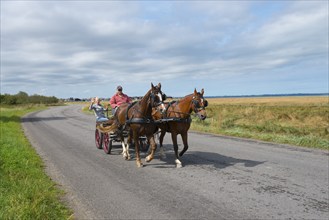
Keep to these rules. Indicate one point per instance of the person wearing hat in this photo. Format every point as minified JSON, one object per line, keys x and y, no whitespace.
{"x":118,"y":98}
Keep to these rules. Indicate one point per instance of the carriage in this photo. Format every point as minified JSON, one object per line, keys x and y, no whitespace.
{"x":144,"y":118}
{"x":104,"y":139}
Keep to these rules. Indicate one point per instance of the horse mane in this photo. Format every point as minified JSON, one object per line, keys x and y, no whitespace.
{"x":185,"y":97}
{"x":143,"y":102}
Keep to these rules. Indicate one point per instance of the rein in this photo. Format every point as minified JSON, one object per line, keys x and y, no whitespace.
{"x":173,"y":119}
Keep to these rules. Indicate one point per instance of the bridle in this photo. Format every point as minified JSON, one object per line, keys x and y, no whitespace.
{"x":196,"y":104}
{"x":154,"y":93}
{"x":161,"y":96}
{"x":158,"y":94}
{"x":152,"y":101}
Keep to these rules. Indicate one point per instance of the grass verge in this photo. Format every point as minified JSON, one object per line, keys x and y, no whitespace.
{"x":26,"y":192}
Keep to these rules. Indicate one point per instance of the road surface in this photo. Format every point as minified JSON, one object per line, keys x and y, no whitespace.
{"x":221,"y":178}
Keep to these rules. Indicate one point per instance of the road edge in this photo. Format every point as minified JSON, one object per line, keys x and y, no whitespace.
{"x":272,"y":144}
{"x":69,"y":198}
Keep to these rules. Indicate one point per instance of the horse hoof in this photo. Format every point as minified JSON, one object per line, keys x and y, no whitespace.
{"x":140,"y":164}
{"x":148,"y":159}
{"x":179,"y":165}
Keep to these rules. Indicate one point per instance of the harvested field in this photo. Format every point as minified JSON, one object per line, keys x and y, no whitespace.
{"x":302,"y":121}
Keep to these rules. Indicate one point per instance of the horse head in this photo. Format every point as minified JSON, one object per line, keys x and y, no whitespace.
{"x":157,"y":97}
{"x":199,"y":104}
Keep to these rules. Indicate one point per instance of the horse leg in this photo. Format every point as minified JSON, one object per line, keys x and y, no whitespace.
{"x":138,"y":158}
{"x":153,"y":148}
{"x":184,"y":138}
{"x":162,"y":153}
{"x":128,"y":142}
{"x":174,"y":141}
{"x":125,"y":148}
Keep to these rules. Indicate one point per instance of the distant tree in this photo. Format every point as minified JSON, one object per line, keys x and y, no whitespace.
{"x":8,"y":99}
{"x":22,"y":98}
{"x":35,"y":99}
{"x":2,"y":98}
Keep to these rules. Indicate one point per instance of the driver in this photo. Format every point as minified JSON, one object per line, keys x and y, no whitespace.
{"x":98,"y":110}
{"x":118,"y":98}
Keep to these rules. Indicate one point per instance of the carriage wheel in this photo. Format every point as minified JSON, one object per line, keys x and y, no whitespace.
{"x":143,"y":145}
{"x":107,"y":143}
{"x":98,"y":139}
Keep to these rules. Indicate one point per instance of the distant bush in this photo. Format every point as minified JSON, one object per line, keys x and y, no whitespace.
{"x":24,"y":98}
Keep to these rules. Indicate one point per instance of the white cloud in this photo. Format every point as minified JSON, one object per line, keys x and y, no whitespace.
{"x":91,"y":44}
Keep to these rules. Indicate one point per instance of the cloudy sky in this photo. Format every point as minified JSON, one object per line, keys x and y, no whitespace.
{"x":87,"y":48}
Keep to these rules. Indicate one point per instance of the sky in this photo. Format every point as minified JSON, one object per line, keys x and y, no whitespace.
{"x":87,"y":48}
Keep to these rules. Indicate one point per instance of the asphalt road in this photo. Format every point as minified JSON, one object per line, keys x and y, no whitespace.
{"x":221,"y":178}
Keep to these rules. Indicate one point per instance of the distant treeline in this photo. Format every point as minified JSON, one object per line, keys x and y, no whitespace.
{"x":24,"y":98}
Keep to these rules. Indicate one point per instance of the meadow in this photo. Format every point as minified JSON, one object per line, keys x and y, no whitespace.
{"x":26,"y":192}
{"x":301,"y":121}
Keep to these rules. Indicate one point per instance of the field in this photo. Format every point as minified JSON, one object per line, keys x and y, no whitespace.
{"x":302,"y":121}
{"x":26,"y":192}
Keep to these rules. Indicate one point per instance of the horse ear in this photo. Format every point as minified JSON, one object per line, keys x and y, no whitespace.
{"x":159,"y":85}
{"x":152,"y":86}
{"x":202,"y":91}
{"x":195,"y":92}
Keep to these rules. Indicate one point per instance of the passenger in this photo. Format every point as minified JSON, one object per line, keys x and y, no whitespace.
{"x":98,"y":110}
{"x":118,"y":98}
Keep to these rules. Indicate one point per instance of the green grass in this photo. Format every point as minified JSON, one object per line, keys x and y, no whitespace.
{"x":26,"y":192}
{"x":297,"y":124}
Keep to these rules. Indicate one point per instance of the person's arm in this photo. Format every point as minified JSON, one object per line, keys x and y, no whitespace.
{"x":106,"y":107}
{"x":91,"y":104}
{"x":113,"y":102}
{"x":129,"y":99}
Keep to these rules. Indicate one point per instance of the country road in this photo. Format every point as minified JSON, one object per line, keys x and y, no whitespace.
{"x":221,"y":178}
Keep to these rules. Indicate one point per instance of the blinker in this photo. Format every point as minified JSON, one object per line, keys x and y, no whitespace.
{"x":164,"y":97}
{"x":205,"y":103}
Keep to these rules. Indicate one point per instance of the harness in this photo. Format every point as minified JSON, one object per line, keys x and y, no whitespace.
{"x":143,"y":120}
{"x":166,"y":119}
{"x":197,"y":108}
{"x":173,"y":119}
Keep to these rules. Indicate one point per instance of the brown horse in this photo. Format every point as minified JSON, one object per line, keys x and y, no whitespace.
{"x":138,"y":119}
{"x":177,"y":119}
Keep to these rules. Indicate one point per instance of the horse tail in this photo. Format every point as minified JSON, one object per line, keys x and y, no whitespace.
{"x":107,"y":129}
